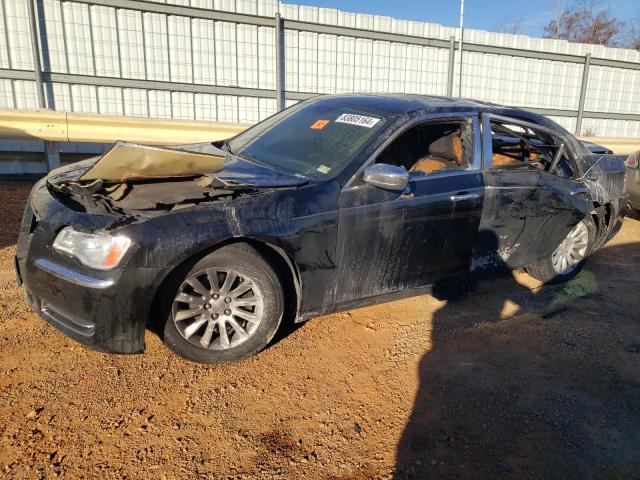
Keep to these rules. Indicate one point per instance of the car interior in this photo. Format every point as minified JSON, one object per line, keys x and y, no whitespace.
{"x":514,"y":145}
{"x":433,"y":147}
{"x":428,"y":148}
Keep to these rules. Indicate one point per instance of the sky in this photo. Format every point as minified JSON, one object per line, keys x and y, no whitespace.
{"x":482,"y":14}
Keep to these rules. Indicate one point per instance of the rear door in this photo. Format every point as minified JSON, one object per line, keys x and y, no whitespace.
{"x":528,"y":210}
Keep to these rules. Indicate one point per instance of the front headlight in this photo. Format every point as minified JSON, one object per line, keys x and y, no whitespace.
{"x":96,"y":250}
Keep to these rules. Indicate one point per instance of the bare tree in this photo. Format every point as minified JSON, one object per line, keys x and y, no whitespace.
{"x":633,"y":35}
{"x":558,"y":9}
{"x":584,"y":23}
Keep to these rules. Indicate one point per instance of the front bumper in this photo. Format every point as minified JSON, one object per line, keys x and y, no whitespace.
{"x":106,"y":315}
{"x":105,"y":310}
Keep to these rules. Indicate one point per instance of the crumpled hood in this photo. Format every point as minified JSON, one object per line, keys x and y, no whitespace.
{"x":236,"y":171}
{"x":239,"y":171}
{"x":141,"y":181}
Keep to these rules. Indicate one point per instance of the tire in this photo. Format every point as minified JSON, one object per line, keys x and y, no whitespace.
{"x":544,"y":269}
{"x":248,"y":301}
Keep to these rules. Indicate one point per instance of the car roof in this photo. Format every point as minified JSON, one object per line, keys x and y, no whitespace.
{"x":410,"y":103}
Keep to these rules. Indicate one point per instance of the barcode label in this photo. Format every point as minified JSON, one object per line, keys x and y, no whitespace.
{"x":360,"y":120}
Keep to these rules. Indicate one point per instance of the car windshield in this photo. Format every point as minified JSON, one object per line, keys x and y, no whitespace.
{"x":314,"y":139}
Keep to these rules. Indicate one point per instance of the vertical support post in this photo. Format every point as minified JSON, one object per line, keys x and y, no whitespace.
{"x":9,"y":53}
{"x":35,"y":49}
{"x":46,"y":54}
{"x":144,"y":62}
{"x":452,"y":59}
{"x":461,"y":43}
{"x":5,"y":22}
{"x":279,"y":63}
{"x":583,"y":92}
{"x":52,"y":154}
{"x":51,"y":150}
{"x":93,"y":57}
{"x":120,"y":72}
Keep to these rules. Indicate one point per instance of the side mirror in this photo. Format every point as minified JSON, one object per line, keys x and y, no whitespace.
{"x":382,"y":175}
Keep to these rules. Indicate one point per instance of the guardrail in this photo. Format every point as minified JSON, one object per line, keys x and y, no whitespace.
{"x":76,"y":127}
{"x":619,"y":146}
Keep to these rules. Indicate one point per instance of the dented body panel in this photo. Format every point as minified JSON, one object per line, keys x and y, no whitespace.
{"x":129,"y":161}
{"x":345,"y":242}
{"x":529,"y":212}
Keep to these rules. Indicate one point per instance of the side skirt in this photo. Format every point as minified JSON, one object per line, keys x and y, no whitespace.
{"x":364,"y":302}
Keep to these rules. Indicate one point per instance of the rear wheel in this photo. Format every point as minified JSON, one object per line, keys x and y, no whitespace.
{"x":227,"y":307}
{"x":567,"y":260}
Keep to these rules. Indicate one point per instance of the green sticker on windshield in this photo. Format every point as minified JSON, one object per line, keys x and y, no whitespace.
{"x":323,"y":169}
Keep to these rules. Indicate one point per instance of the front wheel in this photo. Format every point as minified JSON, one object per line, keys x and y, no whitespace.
{"x":227,"y":307}
{"x":568,"y":259}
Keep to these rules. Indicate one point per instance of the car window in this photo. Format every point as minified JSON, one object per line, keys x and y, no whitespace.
{"x":515,"y":145}
{"x":431,"y":147}
{"x":315,"y":140}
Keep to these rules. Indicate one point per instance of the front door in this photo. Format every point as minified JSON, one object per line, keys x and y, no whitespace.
{"x":394,"y":241}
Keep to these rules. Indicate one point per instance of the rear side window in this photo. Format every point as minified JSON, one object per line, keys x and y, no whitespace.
{"x":514,"y":145}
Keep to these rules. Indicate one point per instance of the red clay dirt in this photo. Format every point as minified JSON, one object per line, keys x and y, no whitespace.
{"x":513,"y":380}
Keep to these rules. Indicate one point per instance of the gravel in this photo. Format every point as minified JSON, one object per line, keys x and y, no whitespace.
{"x":513,"y":380}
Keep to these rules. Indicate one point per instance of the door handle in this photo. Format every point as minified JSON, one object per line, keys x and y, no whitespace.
{"x":464,"y":196}
{"x":579,"y":191}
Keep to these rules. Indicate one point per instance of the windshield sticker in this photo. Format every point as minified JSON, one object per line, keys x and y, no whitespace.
{"x":360,"y":120}
{"x":324,"y":169}
{"x":319,"y":125}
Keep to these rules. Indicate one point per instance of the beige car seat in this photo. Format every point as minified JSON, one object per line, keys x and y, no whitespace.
{"x":442,"y":154}
{"x":508,"y":158}
{"x":500,"y":160}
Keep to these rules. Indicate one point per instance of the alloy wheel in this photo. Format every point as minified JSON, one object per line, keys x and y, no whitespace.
{"x":572,"y":250}
{"x":217,"y":308}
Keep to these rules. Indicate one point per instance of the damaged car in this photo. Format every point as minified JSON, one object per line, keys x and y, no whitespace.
{"x":331,"y":204}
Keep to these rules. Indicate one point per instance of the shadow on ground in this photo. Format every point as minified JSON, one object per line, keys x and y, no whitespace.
{"x":542,"y":383}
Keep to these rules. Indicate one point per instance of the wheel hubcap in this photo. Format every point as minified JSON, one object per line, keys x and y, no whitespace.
{"x":217,"y":309}
{"x":572,"y":249}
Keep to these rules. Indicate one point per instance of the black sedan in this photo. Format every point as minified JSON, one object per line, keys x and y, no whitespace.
{"x":333,"y":203}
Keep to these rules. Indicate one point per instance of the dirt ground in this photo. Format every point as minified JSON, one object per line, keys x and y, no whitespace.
{"x":511,"y":381}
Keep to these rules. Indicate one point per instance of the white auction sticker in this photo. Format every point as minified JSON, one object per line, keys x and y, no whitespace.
{"x":360,"y":120}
